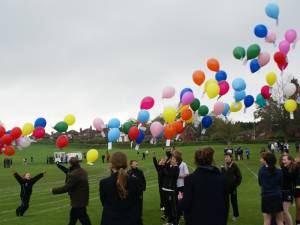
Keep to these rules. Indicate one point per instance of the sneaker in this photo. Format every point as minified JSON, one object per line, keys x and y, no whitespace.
{"x":234,"y":219}
{"x":163,"y":217}
{"x":162,"y":209}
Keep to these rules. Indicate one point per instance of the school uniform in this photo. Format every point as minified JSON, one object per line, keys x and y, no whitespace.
{"x":183,"y":171}
{"x":287,"y":187}
{"x":159,"y":178}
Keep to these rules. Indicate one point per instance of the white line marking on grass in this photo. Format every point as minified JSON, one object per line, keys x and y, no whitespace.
{"x":251,"y":171}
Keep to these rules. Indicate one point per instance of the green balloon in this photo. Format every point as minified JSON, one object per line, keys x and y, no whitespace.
{"x":203,"y":110}
{"x":61,"y":127}
{"x":195,"y":104}
{"x":239,"y":52}
{"x":127,"y":126}
{"x":253,"y":51}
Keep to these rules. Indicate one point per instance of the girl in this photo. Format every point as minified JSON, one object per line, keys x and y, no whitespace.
{"x":270,"y":179}
{"x":297,"y":190}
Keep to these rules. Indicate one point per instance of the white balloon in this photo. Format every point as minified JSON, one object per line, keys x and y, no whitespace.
{"x":23,"y":142}
{"x":289,"y":90}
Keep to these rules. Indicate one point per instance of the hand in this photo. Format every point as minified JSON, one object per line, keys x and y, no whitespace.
{"x":51,"y":190}
{"x":153,"y":154}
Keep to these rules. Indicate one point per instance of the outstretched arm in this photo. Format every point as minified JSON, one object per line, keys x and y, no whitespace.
{"x":62,"y":168}
{"x":37,"y":177}
{"x":18,"y":177}
{"x":72,"y":182}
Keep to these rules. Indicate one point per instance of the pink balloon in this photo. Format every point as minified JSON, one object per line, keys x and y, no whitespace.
{"x":219,"y":108}
{"x":284,"y":46}
{"x":290,"y":35}
{"x":147,"y":103}
{"x":271,"y":37}
{"x":98,"y":124}
{"x":156,"y":128}
{"x":263,"y":58}
{"x":224,"y":87}
{"x":265,"y":92}
{"x":187,"y":98}
{"x":168,"y":92}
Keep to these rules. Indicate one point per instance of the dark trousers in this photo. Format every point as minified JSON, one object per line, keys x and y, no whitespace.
{"x":234,"y":203}
{"x":140,"y":211}
{"x":24,"y":206}
{"x":79,"y":214}
{"x":171,"y":202}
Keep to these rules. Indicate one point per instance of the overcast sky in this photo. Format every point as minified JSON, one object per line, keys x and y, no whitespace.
{"x":100,"y":58}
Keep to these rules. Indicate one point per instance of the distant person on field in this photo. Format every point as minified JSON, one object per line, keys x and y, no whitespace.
{"x":103,"y":158}
{"x":144,"y":156}
{"x":107,"y":156}
{"x":248,"y":153}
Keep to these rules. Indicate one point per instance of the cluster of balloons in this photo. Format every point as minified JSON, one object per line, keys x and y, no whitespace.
{"x":62,"y":127}
{"x":114,"y":131}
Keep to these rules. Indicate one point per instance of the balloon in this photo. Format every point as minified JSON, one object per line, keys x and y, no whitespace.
{"x":62,"y":141}
{"x":224,"y":87}
{"x":248,"y":101}
{"x":185,"y":90}
{"x":208,"y":82}
{"x":280,"y":58}
{"x":195,"y":104}
{"x":156,"y":128}
{"x":179,"y":127}
{"x":226,"y":109}
{"x":23,"y":142}
{"x":218,"y":108}
{"x":16,"y":132}
{"x":38,"y":133}
{"x":261,"y":101}
{"x":7,"y":139}
{"x":291,"y":35}
{"x":239,"y":95}
{"x":140,"y":138}
{"x":271,"y":78}
{"x":213,"y":64}
{"x":187,"y":98}
{"x":271,"y":37}
{"x":40,"y":122}
{"x":198,"y":77}
{"x":113,"y":134}
{"x":147,"y":103}
{"x":206,"y":122}
{"x":284,"y":47}
{"x":254,"y":65}
{"x":127,"y":126}
{"x":27,"y":129}
{"x":169,"y":114}
{"x":265,"y":92}
{"x":263,"y":58}
{"x":239,"y":52}
{"x":212,"y":90}
{"x":282,"y":66}
{"x":143,"y":116}
{"x":114,"y":123}
{"x":2,"y":131}
{"x":168,"y":92}
{"x":253,"y":51}
{"x":290,"y":105}
{"x":221,"y":75}
{"x":260,"y":31}
{"x":239,"y":84}
{"x":289,"y":89}
{"x":98,"y":124}
{"x":61,"y":126}
{"x":272,"y":11}
{"x":203,"y":110}
{"x":70,"y":119}
{"x":170,"y":131}
{"x":186,"y":114}
{"x":133,"y":133}
{"x":235,"y":106}
{"x":9,"y":150}
{"x":92,"y":156}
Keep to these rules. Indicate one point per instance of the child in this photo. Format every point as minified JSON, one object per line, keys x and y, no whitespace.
{"x":26,"y":183}
{"x":248,"y":153}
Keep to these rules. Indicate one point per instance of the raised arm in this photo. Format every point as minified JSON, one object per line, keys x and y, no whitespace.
{"x":62,"y":168}
{"x":71,"y":183}
{"x":37,"y":178}
{"x":18,"y":177}
{"x":155,"y":163}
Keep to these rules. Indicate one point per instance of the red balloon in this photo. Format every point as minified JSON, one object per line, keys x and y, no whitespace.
{"x":133,"y":133}
{"x":16,"y":132}
{"x":6,"y":139}
{"x":280,"y":58}
{"x":62,"y":141}
{"x":265,"y":92}
{"x":2,"y":131}
{"x":179,"y":127}
{"x":38,"y":133}
{"x":170,"y":132}
{"x":283,"y":66}
{"x":9,"y":150}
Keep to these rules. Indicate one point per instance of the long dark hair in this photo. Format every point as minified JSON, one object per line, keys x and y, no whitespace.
{"x":271,"y":160}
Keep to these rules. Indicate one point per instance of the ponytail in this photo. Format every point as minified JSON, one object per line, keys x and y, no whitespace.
{"x":122,"y":183}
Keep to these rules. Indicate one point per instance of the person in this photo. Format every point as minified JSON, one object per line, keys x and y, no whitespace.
{"x":107,"y":156}
{"x":103,"y":158}
{"x":248,"y":153}
{"x":77,"y":186}
{"x":288,"y":167}
{"x":119,"y":194}
{"x":143,"y":156}
{"x":26,"y":182}
{"x":25,"y":163}
{"x":297,"y":189}
{"x":205,"y":192}
{"x":137,"y":173}
{"x":297,"y":146}
{"x":270,"y":180}
{"x":31,"y":159}
{"x":234,"y":178}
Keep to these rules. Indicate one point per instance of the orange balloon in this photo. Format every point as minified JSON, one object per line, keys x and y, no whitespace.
{"x":179,"y":127}
{"x":186,"y":114}
{"x":170,"y":131}
{"x":9,"y":150}
{"x":198,"y":77}
{"x":213,"y":64}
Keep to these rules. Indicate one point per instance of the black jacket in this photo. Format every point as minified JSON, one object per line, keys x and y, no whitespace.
{"x":169,"y":175}
{"x":205,"y":197}
{"x":288,"y":179}
{"x":158,"y":170}
{"x":26,"y":185}
{"x":115,"y":210}
{"x":233,"y":175}
{"x":137,"y":173}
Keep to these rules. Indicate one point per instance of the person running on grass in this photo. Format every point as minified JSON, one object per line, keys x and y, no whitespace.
{"x":26,"y":182}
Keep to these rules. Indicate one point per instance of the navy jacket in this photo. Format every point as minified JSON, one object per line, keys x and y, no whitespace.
{"x":26,"y":185}
{"x":270,"y":182}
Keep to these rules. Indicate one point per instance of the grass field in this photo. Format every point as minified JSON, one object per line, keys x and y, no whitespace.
{"x":47,"y":209}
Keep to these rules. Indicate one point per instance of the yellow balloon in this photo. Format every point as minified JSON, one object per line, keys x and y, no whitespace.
{"x":92,"y":156}
{"x":212,"y":90}
{"x":169,"y":114}
{"x":182,"y":108}
{"x":208,"y":82}
{"x":290,"y":105}
{"x":271,"y":78}
{"x":27,"y":129}
{"x":235,"y":106}
{"x":70,"y":119}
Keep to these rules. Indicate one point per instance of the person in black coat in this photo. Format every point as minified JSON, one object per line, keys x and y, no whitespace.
{"x":205,"y":192}
{"x":119,"y":194}
{"x":159,"y":166}
{"x":26,"y":183}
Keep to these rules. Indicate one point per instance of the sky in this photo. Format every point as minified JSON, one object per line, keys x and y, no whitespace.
{"x":100,"y":58}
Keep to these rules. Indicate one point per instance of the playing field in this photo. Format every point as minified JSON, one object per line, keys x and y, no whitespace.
{"x":48,"y":209}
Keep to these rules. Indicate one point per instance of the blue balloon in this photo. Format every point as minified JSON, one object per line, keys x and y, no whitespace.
{"x":248,"y":101}
{"x":272,"y":10}
{"x":206,"y":122}
{"x":261,"y":101}
{"x":254,"y":65}
{"x":239,"y":84}
{"x":141,"y":137}
{"x":221,"y":75}
{"x":239,"y":95}
{"x":143,"y":116}
{"x":260,"y":31}
{"x":185,"y":90}
{"x":113,"y":134}
{"x":114,"y":123}
{"x":226,"y":109}
{"x":8,"y":132}
{"x":40,"y":122}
